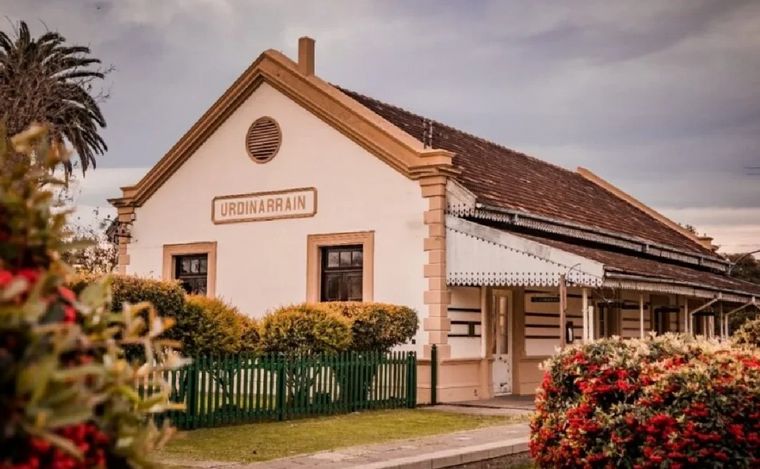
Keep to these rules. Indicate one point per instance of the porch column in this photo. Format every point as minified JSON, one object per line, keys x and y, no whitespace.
{"x":437,"y":296}
{"x":584,"y":307}
{"x":641,"y":315}
{"x":686,"y":321}
{"x":562,"y":311}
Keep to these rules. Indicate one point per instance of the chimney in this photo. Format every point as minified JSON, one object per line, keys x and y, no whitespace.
{"x":306,"y":55}
{"x":706,"y":241}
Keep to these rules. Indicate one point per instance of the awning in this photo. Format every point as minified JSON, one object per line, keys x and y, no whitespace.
{"x":483,"y":255}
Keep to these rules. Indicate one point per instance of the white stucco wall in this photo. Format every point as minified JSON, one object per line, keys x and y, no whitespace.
{"x":262,"y":265}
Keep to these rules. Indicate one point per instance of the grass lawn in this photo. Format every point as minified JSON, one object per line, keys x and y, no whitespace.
{"x":270,"y":440}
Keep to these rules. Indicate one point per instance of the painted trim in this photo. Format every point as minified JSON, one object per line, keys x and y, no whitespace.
{"x":207,"y":247}
{"x":314,"y":243}
{"x":255,"y":194}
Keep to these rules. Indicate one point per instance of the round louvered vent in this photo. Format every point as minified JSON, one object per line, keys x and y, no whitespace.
{"x":263,"y":139}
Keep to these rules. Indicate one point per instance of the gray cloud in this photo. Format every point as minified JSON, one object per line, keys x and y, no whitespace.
{"x":661,"y":98}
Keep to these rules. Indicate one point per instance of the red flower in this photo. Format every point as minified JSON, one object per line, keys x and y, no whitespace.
{"x":31,"y":275}
{"x":5,"y":277}
{"x":69,"y":314}
{"x":67,"y":294}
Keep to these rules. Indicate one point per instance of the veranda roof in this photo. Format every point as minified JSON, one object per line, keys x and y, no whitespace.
{"x":485,"y":255}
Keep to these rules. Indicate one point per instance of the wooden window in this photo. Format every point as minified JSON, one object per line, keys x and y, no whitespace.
{"x":193,"y":264}
{"x":342,"y":268}
{"x":192,"y":272}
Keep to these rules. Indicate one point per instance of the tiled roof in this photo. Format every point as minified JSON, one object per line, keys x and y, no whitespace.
{"x":508,"y":179}
{"x":616,"y":262}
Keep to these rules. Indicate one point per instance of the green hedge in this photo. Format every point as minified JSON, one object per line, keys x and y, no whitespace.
{"x":304,"y":329}
{"x":168,"y":297}
{"x":668,"y":401}
{"x":376,"y":326}
{"x":210,"y":326}
{"x":203,"y":325}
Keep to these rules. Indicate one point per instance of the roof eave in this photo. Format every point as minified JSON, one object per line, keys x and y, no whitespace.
{"x":589,"y":233}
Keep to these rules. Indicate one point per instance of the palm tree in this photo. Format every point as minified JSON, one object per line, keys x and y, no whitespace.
{"x":44,"y":80}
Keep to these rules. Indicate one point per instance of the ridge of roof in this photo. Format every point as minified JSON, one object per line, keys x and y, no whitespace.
{"x":489,"y":192}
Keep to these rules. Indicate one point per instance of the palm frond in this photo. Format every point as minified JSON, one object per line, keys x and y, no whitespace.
{"x":43,"y":79}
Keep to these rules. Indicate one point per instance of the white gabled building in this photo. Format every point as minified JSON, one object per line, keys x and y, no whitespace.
{"x":290,"y":189}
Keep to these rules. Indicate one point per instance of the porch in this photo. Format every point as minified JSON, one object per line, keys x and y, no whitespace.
{"x":517,"y":298}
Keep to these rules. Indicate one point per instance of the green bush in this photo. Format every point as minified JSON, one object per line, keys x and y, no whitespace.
{"x":210,"y":326}
{"x":168,"y":297}
{"x":67,"y":394}
{"x":376,"y":326}
{"x":748,"y":334}
{"x":668,"y":401}
{"x":304,"y":329}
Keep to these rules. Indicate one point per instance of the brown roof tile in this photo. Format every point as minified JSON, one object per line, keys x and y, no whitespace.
{"x":508,"y":179}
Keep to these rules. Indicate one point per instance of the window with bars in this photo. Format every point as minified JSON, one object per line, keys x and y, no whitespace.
{"x":341,"y":276}
{"x":192,"y":272}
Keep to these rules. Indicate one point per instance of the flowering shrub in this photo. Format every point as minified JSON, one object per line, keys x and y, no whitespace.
{"x":748,"y":334}
{"x":667,"y":401}
{"x":67,"y":392}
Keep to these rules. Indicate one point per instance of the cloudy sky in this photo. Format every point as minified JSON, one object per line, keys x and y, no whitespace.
{"x":662,"y":98}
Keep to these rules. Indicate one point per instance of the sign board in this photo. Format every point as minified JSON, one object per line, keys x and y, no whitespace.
{"x":261,"y":206}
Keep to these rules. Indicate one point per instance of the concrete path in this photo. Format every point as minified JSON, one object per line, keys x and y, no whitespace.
{"x":437,"y":451}
{"x":432,"y":452}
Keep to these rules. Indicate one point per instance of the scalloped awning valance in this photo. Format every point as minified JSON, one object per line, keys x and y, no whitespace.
{"x":480,"y":255}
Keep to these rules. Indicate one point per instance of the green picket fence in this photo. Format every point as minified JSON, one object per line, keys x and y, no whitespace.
{"x":248,"y":388}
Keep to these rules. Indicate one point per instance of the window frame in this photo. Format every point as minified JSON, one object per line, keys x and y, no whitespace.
{"x":314,"y":245}
{"x":172,"y":251}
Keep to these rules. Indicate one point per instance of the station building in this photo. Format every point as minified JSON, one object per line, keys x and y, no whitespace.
{"x":291,"y":189}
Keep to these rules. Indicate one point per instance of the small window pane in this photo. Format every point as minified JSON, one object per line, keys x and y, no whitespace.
{"x":333,"y":258}
{"x":332,"y":287}
{"x":185,"y":265}
{"x":354,"y":287}
{"x":356,"y":259}
{"x":345,"y":258}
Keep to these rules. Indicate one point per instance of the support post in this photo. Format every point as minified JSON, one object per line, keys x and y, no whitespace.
{"x":434,"y":374}
{"x":562,"y":311}
{"x":641,"y":315}
{"x":584,"y":296}
{"x":686,"y":316}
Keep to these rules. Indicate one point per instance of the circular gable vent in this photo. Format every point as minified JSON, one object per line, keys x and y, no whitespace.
{"x":263,"y":139}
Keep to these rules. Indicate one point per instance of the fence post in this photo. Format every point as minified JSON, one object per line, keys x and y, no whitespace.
{"x":192,"y":394}
{"x":434,"y":374}
{"x":281,"y":387}
{"x":411,"y":392}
